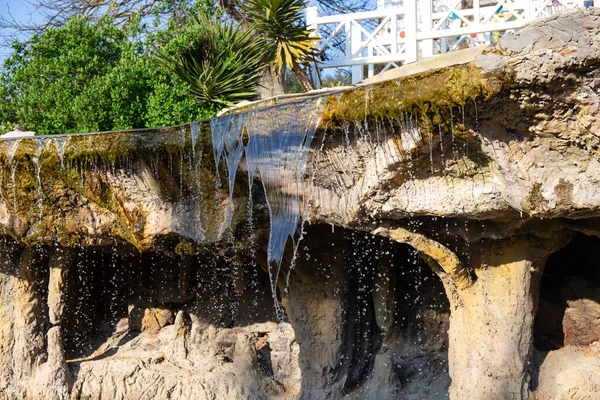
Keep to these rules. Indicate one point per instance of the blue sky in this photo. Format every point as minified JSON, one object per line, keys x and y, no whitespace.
{"x":18,"y":9}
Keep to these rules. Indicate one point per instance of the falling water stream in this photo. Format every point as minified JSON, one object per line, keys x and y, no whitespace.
{"x":227,"y":143}
{"x":40,"y":145}
{"x":10,"y":148}
{"x":60,"y":143}
{"x":278,"y":141}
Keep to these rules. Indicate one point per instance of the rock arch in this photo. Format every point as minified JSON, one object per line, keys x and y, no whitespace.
{"x":493,"y":297}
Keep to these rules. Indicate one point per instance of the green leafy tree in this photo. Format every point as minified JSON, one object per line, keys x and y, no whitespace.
{"x":43,"y":77}
{"x":86,"y":77}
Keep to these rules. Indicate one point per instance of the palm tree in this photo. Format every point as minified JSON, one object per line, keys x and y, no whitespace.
{"x":282,"y":26}
{"x":223,"y":65}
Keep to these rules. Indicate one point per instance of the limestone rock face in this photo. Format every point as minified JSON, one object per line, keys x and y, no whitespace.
{"x":581,"y":321}
{"x":136,"y":189}
{"x":523,"y":137}
{"x":454,"y":234}
{"x":569,"y":373}
{"x":202,"y":363}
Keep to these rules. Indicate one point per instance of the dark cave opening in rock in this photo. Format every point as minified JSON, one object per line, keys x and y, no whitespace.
{"x":370,"y":313}
{"x":566,"y":330}
{"x":569,"y":303}
{"x":106,"y":291}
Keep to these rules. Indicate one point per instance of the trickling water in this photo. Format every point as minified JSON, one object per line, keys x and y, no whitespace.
{"x":181,"y":159}
{"x":430,"y":143}
{"x":278,"y":145}
{"x":441,"y":144}
{"x":452,"y":124}
{"x":39,"y":148}
{"x":195,"y":162}
{"x":226,"y":135}
{"x":10,"y":148}
{"x":302,"y":231}
{"x":60,"y":143}
{"x":234,"y":149}
{"x":195,"y":133}
{"x":218,"y":128}
{"x":279,"y":139}
{"x":465,"y":127}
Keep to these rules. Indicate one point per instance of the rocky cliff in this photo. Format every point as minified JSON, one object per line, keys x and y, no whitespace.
{"x":430,"y":236}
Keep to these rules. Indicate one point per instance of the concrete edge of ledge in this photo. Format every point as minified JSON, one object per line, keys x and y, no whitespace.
{"x":288,"y":96}
{"x":440,"y":61}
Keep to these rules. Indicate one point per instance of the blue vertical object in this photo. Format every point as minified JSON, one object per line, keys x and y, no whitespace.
{"x":454,"y":16}
{"x":588,"y":4}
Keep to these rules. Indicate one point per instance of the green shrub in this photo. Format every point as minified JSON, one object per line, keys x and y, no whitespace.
{"x":86,"y":77}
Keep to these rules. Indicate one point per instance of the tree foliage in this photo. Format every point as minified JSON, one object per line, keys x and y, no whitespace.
{"x":281,"y":22}
{"x":226,"y":61}
{"x":91,"y":65}
{"x":86,"y":77}
{"x":223,"y":64}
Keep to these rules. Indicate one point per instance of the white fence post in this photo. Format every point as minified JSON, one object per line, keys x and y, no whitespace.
{"x":528,"y":11}
{"x":356,"y":44}
{"x":371,"y":67}
{"x":312,"y":16}
{"x":410,"y":30}
{"x":394,"y":33}
{"x":426,"y":7}
{"x":476,"y":12}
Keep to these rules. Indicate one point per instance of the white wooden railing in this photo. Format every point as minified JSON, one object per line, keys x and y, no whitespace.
{"x":404,"y":31}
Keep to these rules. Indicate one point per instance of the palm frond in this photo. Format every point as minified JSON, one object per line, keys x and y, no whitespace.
{"x":281,"y":22}
{"x":224,"y":65}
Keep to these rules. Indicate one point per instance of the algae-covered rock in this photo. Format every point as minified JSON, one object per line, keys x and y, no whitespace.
{"x":136,"y":187}
{"x":514,"y":133}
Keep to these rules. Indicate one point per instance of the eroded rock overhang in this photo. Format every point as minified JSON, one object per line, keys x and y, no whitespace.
{"x":512,"y":135}
{"x":509,"y":136}
{"x":485,"y":169}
